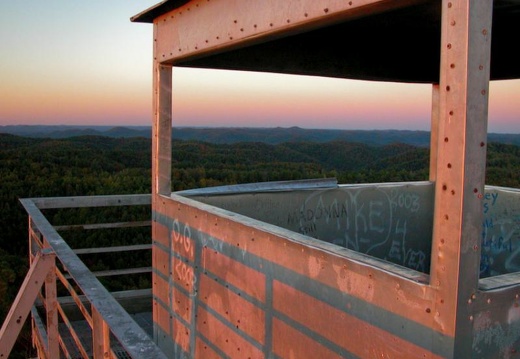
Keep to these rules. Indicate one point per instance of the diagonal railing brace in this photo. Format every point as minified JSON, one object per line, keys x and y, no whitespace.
{"x":43,"y":264}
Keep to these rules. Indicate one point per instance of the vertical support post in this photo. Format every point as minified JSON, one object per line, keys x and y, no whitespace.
{"x":461,"y":163}
{"x":51,"y":305}
{"x":100,"y":336}
{"x":162,"y":126}
{"x":161,"y":152}
{"x":434,"y":132}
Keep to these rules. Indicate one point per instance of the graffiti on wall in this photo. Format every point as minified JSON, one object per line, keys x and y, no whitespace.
{"x":391,"y":221}
{"x":500,"y":232}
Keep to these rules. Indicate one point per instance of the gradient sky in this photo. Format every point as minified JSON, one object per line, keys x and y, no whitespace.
{"x":85,"y":63}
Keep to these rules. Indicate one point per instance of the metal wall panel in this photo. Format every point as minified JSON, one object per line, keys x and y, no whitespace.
{"x":229,"y":280}
{"x":239,"y":287}
{"x":387,"y":221}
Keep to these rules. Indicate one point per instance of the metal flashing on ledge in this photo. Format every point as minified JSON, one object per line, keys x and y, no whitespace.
{"x":262,"y":187}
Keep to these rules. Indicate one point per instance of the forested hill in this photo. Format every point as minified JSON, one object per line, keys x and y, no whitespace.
{"x":234,"y":135}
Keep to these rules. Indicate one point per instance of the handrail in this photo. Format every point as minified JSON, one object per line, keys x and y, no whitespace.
{"x":130,"y":335}
{"x":92,"y":201}
{"x":104,"y":225}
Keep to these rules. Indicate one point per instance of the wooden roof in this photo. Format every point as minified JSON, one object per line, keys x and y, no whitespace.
{"x":386,"y":43}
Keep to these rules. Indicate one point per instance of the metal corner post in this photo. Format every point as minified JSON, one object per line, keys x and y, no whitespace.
{"x":162,"y":124}
{"x":461,"y":163}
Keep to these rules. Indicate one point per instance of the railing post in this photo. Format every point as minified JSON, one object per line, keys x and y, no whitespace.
{"x":100,"y":336}
{"x":51,"y":305}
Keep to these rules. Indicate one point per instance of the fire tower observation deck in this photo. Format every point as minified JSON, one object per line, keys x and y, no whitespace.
{"x":317,"y":269}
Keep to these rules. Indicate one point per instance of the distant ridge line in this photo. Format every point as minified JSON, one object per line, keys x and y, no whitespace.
{"x":230,"y":135}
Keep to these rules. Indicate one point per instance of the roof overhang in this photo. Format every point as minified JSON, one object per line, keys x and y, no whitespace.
{"x":399,"y":41}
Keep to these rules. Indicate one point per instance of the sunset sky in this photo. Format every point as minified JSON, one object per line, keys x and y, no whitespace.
{"x":85,"y":63}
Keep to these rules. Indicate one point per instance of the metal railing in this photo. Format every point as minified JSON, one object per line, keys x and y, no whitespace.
{"x":110,"y":326}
